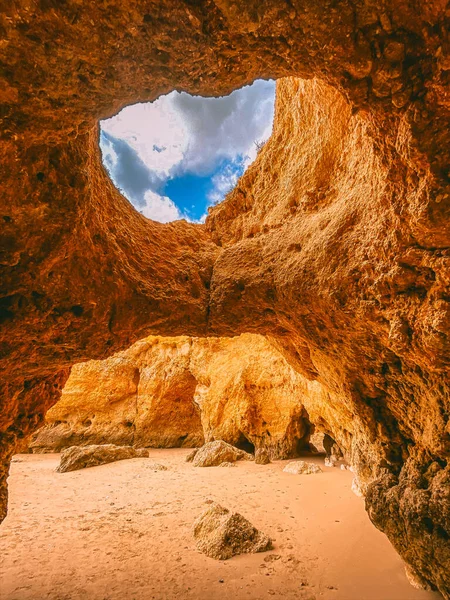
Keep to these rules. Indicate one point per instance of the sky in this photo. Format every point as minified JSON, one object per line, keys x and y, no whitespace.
{"x":175,"y":157}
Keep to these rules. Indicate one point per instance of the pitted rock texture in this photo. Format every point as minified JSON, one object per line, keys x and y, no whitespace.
{"x":169,"y":392}
{"x":141,"y":397}
{"x":152,"y":466}
{"x":316,"y":443}
{"x":215,"y":454}
{"x":77,"y":457}
{"x":262,"y":457}
{"x":190,"y":457}
{"x":221,"y":534}
{"x":300,"y":467}
{"x":335,"y":243}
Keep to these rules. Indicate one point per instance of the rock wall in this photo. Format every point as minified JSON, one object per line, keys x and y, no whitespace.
{"x":335,"y":244}
{"x":169,"y":392}
{"x":321,"y":234}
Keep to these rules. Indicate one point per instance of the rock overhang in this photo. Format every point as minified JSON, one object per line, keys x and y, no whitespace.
{"x":83,"y":275}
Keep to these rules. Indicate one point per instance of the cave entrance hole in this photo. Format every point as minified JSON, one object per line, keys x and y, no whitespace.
{"x":243,"y":443}
{"x":179,"y":155}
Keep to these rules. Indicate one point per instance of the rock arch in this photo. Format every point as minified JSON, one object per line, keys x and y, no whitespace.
{"x":341,"y":258}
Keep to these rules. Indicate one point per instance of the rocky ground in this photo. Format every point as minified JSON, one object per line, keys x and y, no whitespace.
{"x":123,"y":531}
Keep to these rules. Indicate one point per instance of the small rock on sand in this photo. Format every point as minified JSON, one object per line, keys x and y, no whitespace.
{"x":221,"y":534}
{"x":155,"y":466}
{"x":227,"y":464}
{"x":82,"y":457}
{"x":300,"y":467}
{"x":215,"y":453}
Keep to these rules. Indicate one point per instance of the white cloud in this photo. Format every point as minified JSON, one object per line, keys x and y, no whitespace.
{"x":160,"y":208}
{"x":156,"y":131}
{"x":145,"y":145}
{"x":191,"y":133}
{"x":225,"y":127}
{"x":223,"y":182}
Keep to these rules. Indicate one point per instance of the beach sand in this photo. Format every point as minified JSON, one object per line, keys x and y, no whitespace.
{"x":123,"y":531}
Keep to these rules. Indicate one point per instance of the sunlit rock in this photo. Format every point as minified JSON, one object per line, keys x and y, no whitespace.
{"x":221,"y":534}
{"x":300,"y":467}
{"x":170,"y":392}
{"x":262,"y":457}
{"x":77,"y":457}
{"x":216,"y":453}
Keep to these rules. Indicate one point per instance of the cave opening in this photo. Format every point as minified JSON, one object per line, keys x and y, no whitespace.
{"x":301,"y":285}
{"x":181,"y":154}
{"x":243,"y":443}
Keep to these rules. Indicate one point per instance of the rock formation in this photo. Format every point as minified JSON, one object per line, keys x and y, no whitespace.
{"x":262,"y":457}
{"x":169,"y":392}
{"x":141,"y":397}
{"x":152,"y":466}
{"x":77,"y":457}
{"x":190,"y":457}
{"x":300,"y":467}
{"x":214,"y":454}
{"x":221,"y":534}
{"x":335,"y":243}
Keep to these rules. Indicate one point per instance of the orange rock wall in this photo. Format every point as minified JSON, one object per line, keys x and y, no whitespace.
{"x":336,"y":244}
{"x":168,"y":392}
{"x":322,"y":233}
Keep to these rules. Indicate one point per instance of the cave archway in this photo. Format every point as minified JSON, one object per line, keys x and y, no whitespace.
{"x":77,"y":282}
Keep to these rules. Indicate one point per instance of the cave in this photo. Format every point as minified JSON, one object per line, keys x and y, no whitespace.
{"x":334,"y":245}
{"x":243,"y":443}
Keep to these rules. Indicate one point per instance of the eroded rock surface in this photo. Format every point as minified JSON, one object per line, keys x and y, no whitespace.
{"x":82,"y":457}
{"x":262,"y":457}
{"x":169,"y":392}
{"x":190,"y":457}
{"x":300,"y":467}
{"x":214,"y":454}
{"x":316,"y":443}
{"x":221,"y":534}
{"x":141,"y":397}
{"x":335,"y":243}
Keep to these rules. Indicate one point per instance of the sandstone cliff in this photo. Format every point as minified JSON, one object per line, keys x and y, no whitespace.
{"x":369,"y":327}
{"x":335,"y":244}
{"x":169,"y":392}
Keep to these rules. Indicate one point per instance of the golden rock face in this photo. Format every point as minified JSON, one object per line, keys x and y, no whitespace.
{"x":334,"y":244}
{"x":170,"y":392}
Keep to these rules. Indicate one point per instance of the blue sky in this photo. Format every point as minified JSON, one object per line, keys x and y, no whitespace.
{"x":180,"y":154}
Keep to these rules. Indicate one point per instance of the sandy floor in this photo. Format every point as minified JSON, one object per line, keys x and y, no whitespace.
{"x":123,"y":532}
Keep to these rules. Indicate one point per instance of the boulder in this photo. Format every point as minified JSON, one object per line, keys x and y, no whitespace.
{"x":300,"y":467}
{"x":262,"y":457}
{"x":82,"y":457}
{"x":221,"y":534}
{"x":215,"y":453}
{"x":190,"y":457}
{"x":156,"y":467}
